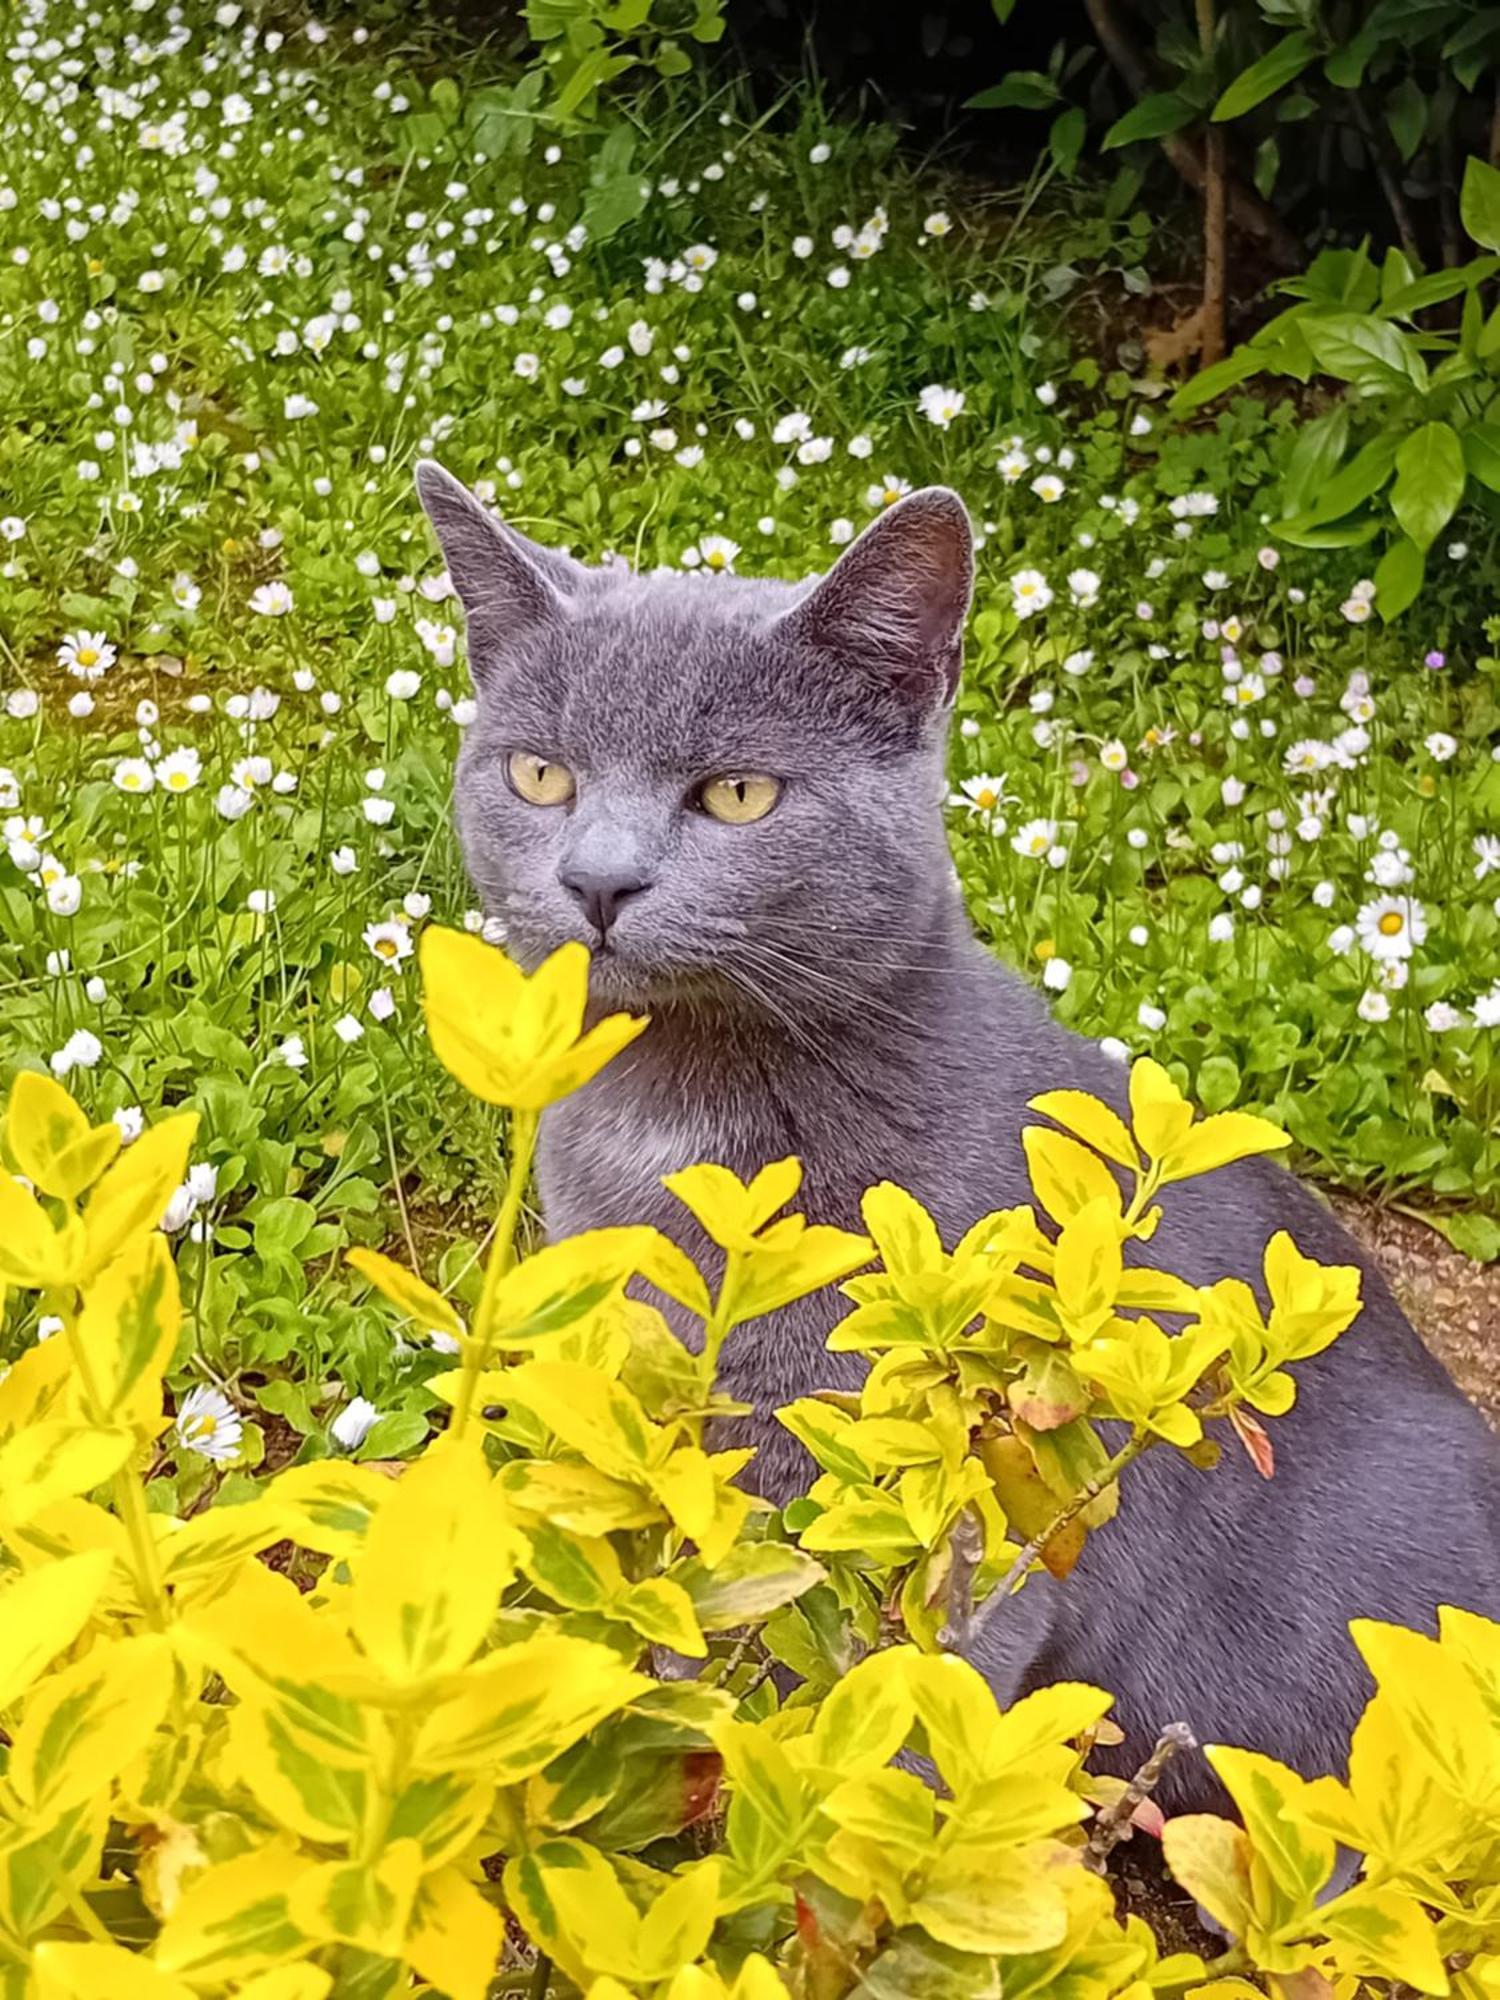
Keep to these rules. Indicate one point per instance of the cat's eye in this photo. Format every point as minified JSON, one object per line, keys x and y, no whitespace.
{"x":739,"y":797}
{"x":539,"y":781}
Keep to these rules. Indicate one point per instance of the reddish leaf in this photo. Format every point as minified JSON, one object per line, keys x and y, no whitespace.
{"x":701,"y":1772}
{"x":1252,"y":1435}
{"x":1149,"y":1817}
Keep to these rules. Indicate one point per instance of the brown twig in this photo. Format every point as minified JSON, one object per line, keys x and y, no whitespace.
{"x":963,"y":1639}
{"x":1390,"y":186}
{"x":1112,"y":1825}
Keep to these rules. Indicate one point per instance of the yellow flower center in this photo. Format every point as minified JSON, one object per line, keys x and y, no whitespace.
{"x":87,"y":656}
{"x":987,"y":797}
{"x":385,"y":947}
{"x":1392,"y":924}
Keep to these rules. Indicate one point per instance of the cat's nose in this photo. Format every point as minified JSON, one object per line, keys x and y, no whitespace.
{"x":600,"y":892}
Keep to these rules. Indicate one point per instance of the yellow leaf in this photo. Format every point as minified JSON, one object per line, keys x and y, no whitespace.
{"x":235,"y":1919}
{"x":1000,"y":1900}
{"x":508,"y":1038}
{"x":905,"y":1234}
{"x":289,"y":1982}
{"x":680,"y":1922}
{"x":436,"y":1556}
{"x":523,"y":1706}
{"x":455,"y":1936}
{"x":82,"y":1726}
{"x":1431,"y":1690}
{"x":133,"y":1195}
{"x":132,"y":1314}
{"x":101,"y":1972}
{"x":33,"y":1251}
{"x":600,"y":1419}
{"x":55,"y":1460}
{"x":1089,"y":1119}
{"x":51,"y":1141}
{"x":1087,"y":1268}
{"x":867,"y":1715}
{"x":42,"y":1614}
{"x":1210,"y":1857}
{"x":40,"y":1385}
{"x":1159,"y":1112}
{"x":428,"y":1310}
{"x":730,"y":1211}
{"x":1066,"y":1176}
{"x":1217,"y":1142}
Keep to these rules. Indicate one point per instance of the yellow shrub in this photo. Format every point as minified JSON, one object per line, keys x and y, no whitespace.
{"x":450,"y":1738}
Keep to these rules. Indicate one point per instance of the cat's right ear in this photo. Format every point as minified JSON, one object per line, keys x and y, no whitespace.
{"x":509,"y":587}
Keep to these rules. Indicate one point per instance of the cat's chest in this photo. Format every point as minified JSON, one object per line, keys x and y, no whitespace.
{"x":605,"y":1168}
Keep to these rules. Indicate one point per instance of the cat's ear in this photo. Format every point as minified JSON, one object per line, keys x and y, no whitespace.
{"x":509,"y":586}
{"x":895,"y":602}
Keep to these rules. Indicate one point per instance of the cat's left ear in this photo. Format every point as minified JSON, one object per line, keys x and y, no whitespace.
{"x":895,"y":602}
{"x":508,"y":585}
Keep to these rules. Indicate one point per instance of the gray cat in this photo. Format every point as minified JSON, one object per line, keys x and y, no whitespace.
{"x":731,"y":790}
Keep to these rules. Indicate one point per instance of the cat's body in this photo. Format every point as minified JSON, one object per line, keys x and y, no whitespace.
{"x":815,"y":989}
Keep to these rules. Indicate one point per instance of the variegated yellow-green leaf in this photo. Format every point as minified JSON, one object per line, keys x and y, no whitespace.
{"x":1000,"y":1900}
{"x":288,"y":1982}
{"x":199,"y":1548}
{"x":1270,"y":1799}
{"x":1159,"y":1112}
{"x":1210,"y":1857}
{"x":132,"y":1313}
{"x":81,"y":1726}
{"x":661,"y":1611}
{"x":41,"y":1869}
{"x":435,"y":1559}
{"x":38,"y":1386}
{"x":866,"y":1718}
{"x":441,"y":1813}
{"x":577,"y":1497}
{"x":269,"y":1644}
{"x":428,"y":1310}
{"x":1092,"y":1121}
{"x":235,"y":1920}
{"x":101,"y":1972}
{"x":523,"y":1706}
{"x":34,"y":1250}
{"x":366,"y":1904}
{"x":42,"y":1613}
{"x":329,"y":1505}
{"x":1065,"y":1175}
{"x":132,"y":1197}
{"x":53,"y":1461}
{"x":300,"y":1792}
{"x":455,"y":1936}
{"x":51,"y":1141}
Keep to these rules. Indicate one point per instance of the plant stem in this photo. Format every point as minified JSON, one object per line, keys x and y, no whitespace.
{"x":541,"y":1977}
{"x":965,"y":1636}
{"x":1113,"y":1824}
{"x":523,"y":1134}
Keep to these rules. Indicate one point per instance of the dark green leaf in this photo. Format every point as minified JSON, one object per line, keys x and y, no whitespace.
{"x":1479,"y":203}
{"x":1398,"y":579}
{"x":1022,"y":90}
{"x":1482,"y":453}
{"x":1065,"y":140}
{"x":1406,"y":116}
{"x":1429,"y":482}
{"x":1153,"y":118}
{"x":1263,"y":79}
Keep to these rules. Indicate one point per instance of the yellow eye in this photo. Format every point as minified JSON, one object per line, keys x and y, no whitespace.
{"x":539,"y":782}
{"x":739,"y":797}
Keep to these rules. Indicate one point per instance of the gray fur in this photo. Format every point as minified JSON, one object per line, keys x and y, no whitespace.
{"x":815,"y":989}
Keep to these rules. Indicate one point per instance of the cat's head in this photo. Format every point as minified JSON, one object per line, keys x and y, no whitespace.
{"x":727,"y":787}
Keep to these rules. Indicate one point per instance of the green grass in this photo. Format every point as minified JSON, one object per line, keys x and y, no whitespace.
{"x":213,"y":385}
